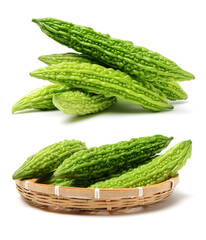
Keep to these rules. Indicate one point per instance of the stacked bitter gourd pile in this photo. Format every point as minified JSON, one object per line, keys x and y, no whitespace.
{"x":126,"y":164}
{"x":102,"y":71}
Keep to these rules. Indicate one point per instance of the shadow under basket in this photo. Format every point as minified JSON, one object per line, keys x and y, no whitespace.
{"x":67,"y":198}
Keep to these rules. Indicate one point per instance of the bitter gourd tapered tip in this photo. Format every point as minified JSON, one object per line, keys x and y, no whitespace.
{"x":192,"y":76}
{"x":170,"y":139}
{"x":170,"y":106}
{"x":16,"y":107}
{"x":189,"y":142}
{"x":41,"y":58}
{"x":35,"y":20}
{"x":34,"y":73}
{"x":13,"y":110}
{"x":15,"y":175}
{"x":44,"y":59}
{"x":189,"y":76}
{"x":38,"y":22}
{"x":37,"y":74}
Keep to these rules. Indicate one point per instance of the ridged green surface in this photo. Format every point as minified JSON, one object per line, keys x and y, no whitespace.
{"x":65,"y":57}
{"x":68,"y":182}
{"x":107,"y":81}
{"x":40,"y":98}
{"x":124,"y":55}
{"x":158,"y":170}
{"x":48,"y":179}
{"x":47,"y":159}
{"x":111,"y":158}
{"x":81,"y":103}
{"x":171,"y":89}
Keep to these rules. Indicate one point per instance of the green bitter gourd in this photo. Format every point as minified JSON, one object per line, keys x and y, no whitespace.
{"x":171,"y":89}
{"x":107,"y":81}
{"x":158,"y":170}
{"x":47,"y":159}
{"x":124,"y":55}
{"x":72,"y":101}
{"x":65,"y":57}
{"x":81,"y":103}
{"x":40,"y":98}
{"x":68,"y":182}
{"x":111,"y":158}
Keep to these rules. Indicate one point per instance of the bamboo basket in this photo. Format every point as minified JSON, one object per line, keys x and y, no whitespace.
{"x":65,"y":198}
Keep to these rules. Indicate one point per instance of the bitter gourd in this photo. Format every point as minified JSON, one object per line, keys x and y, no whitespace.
{"x":81,"y":103}
{"x":65,"y":57}
{"x":47,"y":159}
{"x":107,"y":81}
{"x":73,"y":101}
{"x":124,"y":55}
{"x":158,"y":170}
{"x":68,"y":182}
{"x":40,"y":98}
{"x":50,"y":180}
{"x":111,"y":158}
{"x":171,"y":89}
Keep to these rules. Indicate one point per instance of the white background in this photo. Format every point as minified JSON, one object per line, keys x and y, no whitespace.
{"x":176,"y":29}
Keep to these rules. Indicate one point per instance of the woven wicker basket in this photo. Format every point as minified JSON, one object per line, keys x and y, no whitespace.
{"x":65,"y":198}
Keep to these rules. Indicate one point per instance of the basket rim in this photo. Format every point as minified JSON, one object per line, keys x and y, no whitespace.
{"x":96,"y":193}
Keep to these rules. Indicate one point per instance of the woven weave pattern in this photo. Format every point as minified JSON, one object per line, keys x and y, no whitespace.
{"x":94,"y":199}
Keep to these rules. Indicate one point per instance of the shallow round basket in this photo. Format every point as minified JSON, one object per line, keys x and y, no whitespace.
{"x":65,"y":198}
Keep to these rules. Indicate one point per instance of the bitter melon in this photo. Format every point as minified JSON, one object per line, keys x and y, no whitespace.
{"x":158,"y":170}
{"x":171,"y":89}
{"x":65,"y":57}
{"x":47,"y":159}
{"x":107,"y":81}
{"x":81,"y":103}
{"x":50,"y":180}
{"x":111,"y":158}
{"x":124,"y":55}
{"x":40,"y":98}
{"x":68,"y":182}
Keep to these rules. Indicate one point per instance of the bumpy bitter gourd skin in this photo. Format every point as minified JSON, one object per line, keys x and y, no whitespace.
{"x":81,"y":103}
{"x":107,"y":81}
{"x":83,"y":183}
{"x":111,"y":158}
{"x":68,"y":182}
{"x":171,"y":89}
{"x":124,"y":55}
{"x":47,"y":159}
{"x":40,"y":98}
{"x":50,"y":180}
{"x":158,"y":170}
{"x":65,"y":57}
